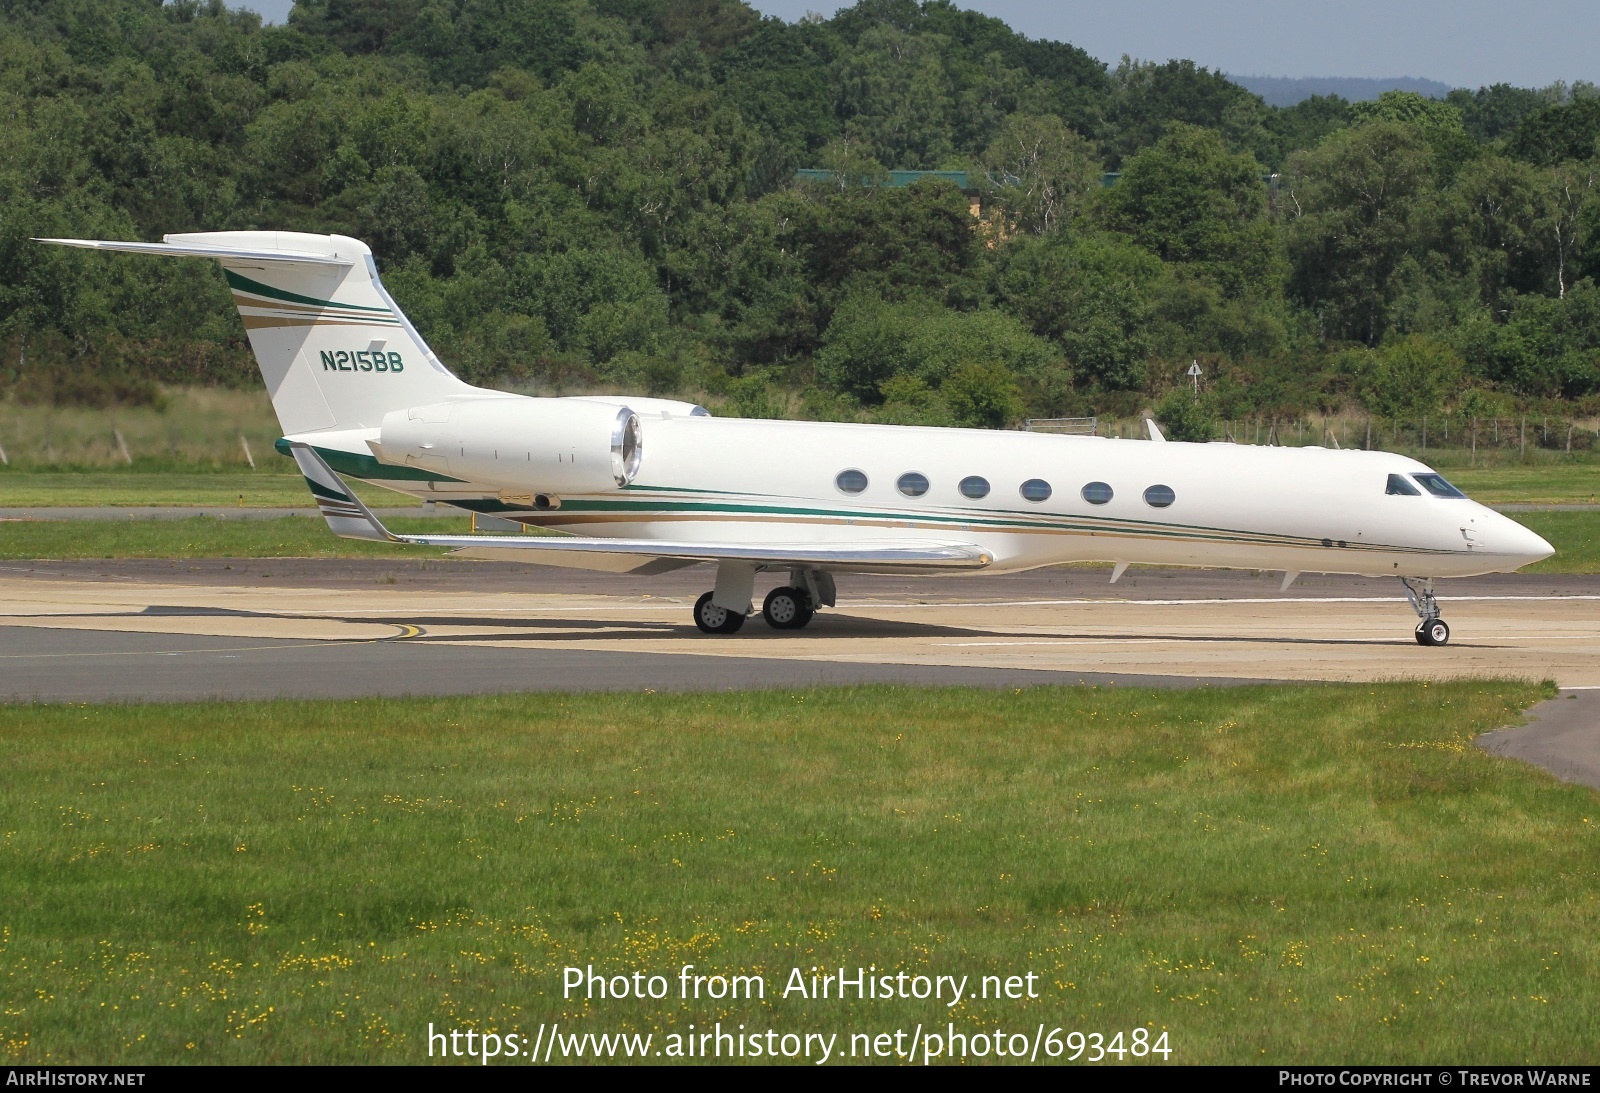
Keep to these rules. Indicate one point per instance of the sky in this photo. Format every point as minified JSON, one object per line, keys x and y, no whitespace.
{"x":1466,"y":43}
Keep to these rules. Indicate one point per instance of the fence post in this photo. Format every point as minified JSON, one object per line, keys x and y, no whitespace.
{"x":248,"y":458}
{"x":122,"y":447}
{"x":1522,"y":444}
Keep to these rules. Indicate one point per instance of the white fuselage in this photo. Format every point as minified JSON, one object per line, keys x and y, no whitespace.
{"x":710,"y":479}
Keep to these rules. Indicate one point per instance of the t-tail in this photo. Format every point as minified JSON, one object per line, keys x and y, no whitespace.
{"x":335,"y":351}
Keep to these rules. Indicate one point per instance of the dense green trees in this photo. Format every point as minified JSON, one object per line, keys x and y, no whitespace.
{"x":571,"y":193}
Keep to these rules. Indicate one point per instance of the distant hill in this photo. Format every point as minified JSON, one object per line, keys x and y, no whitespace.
{"x":1286,"y":90}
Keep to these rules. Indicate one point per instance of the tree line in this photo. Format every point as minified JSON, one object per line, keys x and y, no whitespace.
{"x":572,"y":194}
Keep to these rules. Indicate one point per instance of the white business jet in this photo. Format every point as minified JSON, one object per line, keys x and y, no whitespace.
{"x":644,"y":485}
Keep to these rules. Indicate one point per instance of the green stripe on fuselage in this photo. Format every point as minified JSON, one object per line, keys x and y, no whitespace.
{"x":365,"y":466}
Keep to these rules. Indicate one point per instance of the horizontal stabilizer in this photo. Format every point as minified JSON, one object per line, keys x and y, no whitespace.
{"x":207,"y":250}
{"x":348,"y":517}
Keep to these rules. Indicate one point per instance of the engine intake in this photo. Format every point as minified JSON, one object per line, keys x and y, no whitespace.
{"x":533,"y":445}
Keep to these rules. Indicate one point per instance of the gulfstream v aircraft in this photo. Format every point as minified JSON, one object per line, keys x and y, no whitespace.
{"x":643,"y":485}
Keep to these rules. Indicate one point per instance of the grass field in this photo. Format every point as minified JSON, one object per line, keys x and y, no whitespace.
{"x":208,"y":428}
{"x":280,"y":487}
{"x":1575,"y":535}
{"x":1309,"y":874}
{"x":206,"y":537}
{"x":1554,"y":482}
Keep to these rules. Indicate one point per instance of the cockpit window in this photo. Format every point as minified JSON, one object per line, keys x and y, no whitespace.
{"x":1436,"y":485}
{"x":1399,"y":487}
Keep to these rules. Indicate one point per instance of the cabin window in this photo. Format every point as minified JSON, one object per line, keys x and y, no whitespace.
{"x":975,"y":487}
{"x":1159,"y":497}
{"x":1399,"y":487}
{"x":912,"y":484}
{"x":1436,"y":485}
{"x":851,"y":481}
{"x":1097,"y":493}
{"x":1035,"y":490}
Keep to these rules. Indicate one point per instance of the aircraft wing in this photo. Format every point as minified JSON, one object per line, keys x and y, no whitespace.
{"x":348,"y":517}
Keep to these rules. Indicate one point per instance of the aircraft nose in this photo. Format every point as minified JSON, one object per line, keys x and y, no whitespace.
{"x":1524,"y":546}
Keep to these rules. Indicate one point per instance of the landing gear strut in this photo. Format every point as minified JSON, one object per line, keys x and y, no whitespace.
{"x":1432,"y":630}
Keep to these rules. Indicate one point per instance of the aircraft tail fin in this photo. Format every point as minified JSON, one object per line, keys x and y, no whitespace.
{"x":333,"y":347}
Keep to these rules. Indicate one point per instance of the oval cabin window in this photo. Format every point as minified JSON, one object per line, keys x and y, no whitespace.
{"x":851,"y":481}
{"x":975,"y":487}
{"x":1159,"y":497}
{"x":1097,"y":493}
{"x":1035,"y":490}
{"x":913,"y":484}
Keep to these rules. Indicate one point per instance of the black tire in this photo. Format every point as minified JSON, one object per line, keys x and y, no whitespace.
{"x":712,"y":619}
{"x":787,"y":608}
{"x":806,"y":616}
{"x":1433,"y":632}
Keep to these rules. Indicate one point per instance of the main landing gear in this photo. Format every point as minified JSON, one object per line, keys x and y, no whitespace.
{"x":1432,"y":630}
{"x":790,"y":607}
{"x":787,"y":608}
{"x":712,"y":619}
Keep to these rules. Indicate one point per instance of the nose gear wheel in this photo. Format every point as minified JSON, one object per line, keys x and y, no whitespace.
{"x":1433,"y":632}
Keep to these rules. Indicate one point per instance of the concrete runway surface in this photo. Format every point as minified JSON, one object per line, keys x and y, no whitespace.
{"x":176,"y":630}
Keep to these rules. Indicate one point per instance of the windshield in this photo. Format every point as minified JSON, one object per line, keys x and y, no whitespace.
{"x":1436,"y":485}
{"x":1398,"y":486}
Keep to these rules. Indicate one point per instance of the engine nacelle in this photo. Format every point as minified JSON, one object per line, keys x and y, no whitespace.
{"x":539,"y":445}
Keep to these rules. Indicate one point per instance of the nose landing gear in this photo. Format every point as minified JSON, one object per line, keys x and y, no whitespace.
{"x":1432,"y":630}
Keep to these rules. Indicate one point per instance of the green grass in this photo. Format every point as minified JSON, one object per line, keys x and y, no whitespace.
{"x":207,"y":537}
{"x":252,"y":489}
{"x":1555,"y":482}
{"x":1575,"y":535}
{"x":1287,"y":874}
